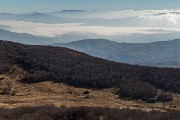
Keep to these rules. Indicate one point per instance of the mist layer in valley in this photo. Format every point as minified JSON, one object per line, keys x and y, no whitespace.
{"x":141,"y":26}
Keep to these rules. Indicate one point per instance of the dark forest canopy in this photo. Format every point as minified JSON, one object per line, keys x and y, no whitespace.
{"x":75,"y":68}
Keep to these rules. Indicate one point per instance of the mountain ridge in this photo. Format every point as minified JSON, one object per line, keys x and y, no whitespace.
{"x":25,"y":38}
{"x":162,"y":52}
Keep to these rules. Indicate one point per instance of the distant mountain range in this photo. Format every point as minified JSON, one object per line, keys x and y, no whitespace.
{"x":26,"y":38}
{"x":31,"y":17}
{"x":160,"y":54}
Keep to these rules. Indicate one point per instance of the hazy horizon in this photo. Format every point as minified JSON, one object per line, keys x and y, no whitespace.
{"x":24,"y":6}
{"x":128,"y":21}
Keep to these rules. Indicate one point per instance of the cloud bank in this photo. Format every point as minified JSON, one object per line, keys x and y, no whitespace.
{"x":54,"y":30}
{"x":128,"y":22}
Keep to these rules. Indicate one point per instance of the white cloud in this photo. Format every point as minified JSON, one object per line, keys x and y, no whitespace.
{"x":165,"y":16}
{"x":53,"y":30}
{"x":168,"y":18}
{"x":127,"y":13}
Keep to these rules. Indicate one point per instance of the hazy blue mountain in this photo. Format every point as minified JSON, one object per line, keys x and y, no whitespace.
{"x":161,"y":54}
{"x":32,"y":17}
{"x":73,"y":11}
{"x":25,"y":38}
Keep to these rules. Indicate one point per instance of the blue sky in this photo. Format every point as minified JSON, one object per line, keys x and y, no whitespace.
{"x":20,"y":6}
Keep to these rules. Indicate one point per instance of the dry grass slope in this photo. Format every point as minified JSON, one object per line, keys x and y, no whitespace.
{"x":48,"y":93}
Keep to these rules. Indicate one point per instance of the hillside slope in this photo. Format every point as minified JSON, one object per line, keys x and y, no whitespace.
{"x":63,"y":65}
{"x":58,"y":94}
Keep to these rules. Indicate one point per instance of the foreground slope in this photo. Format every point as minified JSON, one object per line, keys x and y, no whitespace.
{"x":59,"y":94}
{"x":63,"y":65}
{"x":164,"y":53}
{"x":84,"y":113}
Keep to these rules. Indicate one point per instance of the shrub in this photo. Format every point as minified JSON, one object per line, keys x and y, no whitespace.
{"x":164,"y":97}
{"x":37,"y":76}
{"x":86,"y":92}
{"x":4,"y":68}
{"x":6,"y":88}
{"x":137,"y":90}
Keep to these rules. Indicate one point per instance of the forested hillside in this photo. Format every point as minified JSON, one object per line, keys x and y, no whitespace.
{"x":63,"y":65}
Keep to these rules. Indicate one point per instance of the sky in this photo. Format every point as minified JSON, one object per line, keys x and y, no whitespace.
{"x":21,"y":6}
